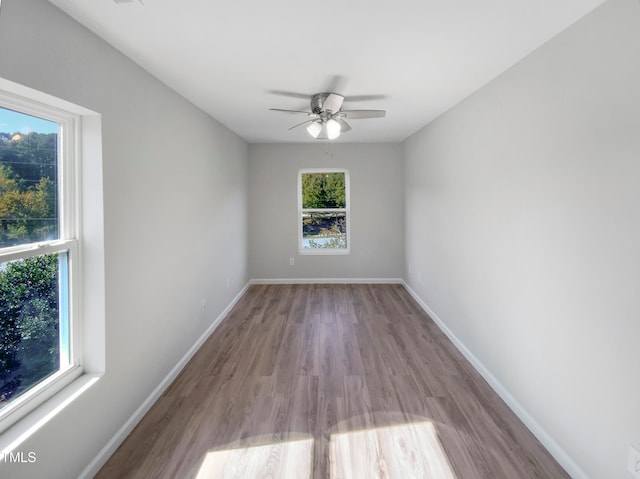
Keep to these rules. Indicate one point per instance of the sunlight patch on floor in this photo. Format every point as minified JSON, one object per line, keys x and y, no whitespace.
{"x":398,"y":452}
{"x":280,"y":460}
{"x":408,"y":451}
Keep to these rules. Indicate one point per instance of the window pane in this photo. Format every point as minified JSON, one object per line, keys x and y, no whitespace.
{"x":323,"y":190}
{"x":34,"y":336}
{"x":324,"y":230}
{"x":28,"y":179}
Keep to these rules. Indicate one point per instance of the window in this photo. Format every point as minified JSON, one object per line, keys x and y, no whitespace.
{"x":39,"y":330}
{"x":323,"y":211}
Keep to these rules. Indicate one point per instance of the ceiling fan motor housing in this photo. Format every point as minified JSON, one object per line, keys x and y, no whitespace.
{"x":317,"y":101}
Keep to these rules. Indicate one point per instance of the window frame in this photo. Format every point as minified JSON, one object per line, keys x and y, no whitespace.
{"x":68,"y":241}
{"x":347,"y":210}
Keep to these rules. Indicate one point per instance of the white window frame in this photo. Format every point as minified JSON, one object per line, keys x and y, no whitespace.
{"x":346,"y":210}
{"x":69,"y":201}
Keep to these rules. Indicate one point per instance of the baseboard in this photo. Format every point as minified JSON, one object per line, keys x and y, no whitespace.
{"x":560,"y":455}
{"x":94,"y":466}
{"x":327,"y":281}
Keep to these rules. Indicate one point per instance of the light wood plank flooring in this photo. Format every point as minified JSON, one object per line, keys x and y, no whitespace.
{"x":329,"y":382}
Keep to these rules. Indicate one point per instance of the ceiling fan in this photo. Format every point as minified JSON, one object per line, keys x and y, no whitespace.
{"x":327,"y":118}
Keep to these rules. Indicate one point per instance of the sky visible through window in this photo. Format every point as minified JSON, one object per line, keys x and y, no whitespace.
{"x":14,"y":122}
{"x":28,"y":179}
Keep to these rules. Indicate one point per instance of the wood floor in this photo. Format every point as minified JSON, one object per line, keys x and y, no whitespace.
{"x":329,"y":382}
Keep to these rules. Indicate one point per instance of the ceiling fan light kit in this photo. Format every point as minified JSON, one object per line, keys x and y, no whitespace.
{"x":314,"y":129}
{"x":333,"y":129}
{"x":328,"y":119}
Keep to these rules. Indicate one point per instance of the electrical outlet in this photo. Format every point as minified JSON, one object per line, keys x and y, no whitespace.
{"x":292,"y":261}
{"x":633,"y":464}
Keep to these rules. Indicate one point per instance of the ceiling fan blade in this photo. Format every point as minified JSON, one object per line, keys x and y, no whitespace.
{"x":336,"y":83}
{"x":291,"y":111}
{"x":333,"y":103}
{"x":357,"y":114}
{"x":291,"y":94}
{"x":344,"y":126}
{"x":300,"y":124}
{"x":365,"y":97}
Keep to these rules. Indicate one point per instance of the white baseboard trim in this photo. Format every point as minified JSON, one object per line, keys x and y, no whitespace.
{"x":105,"y":453}
{"x":327,"y":281}
{"x":560,"y":455}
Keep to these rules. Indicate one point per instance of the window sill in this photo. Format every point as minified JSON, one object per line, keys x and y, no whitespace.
{"x":13,"y":437}
{"x":323,"y":252}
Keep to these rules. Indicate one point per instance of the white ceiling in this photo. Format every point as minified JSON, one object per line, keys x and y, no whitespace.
{"x":228,"y":57}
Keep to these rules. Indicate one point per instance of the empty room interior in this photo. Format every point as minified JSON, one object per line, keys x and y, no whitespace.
{"x":324,"y":240}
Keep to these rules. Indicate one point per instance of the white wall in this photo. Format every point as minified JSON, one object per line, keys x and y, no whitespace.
{"x":376,"y":211}
{"x":523,"y":223}
{"x":175,"y":209}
